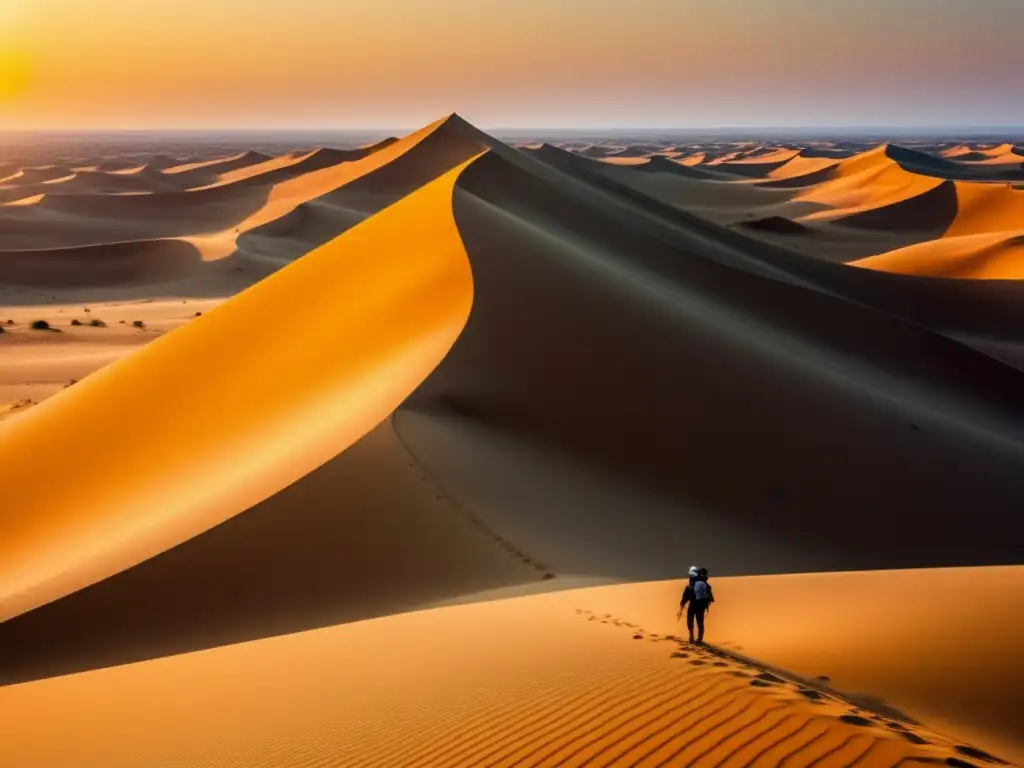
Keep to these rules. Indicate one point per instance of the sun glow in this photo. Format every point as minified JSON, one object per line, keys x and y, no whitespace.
{"x":13,"y":72}
{"x":13,"y":60}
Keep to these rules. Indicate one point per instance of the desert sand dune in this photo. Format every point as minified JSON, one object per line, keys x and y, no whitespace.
{"x":998,"y":256}
{"x":32,"y":224}
{"x":758,"y":165}
{"x":780,"y":178}
{"x":496,"y":365}
{"x":985,"y":208}
{"x":473,"y":371}
{"x":692,"y":159}
{"x":52,"y":549}
{"x":311,"y":224}
{"x":286,"y":160}
{"x":119,"y":166}
{"x":98,"y":182}
{"x":110,"y":264}
{"x":1000,"y":155}
{"x":97,"y":218}
{"x":275,"y":170}
{"x":19,"y":201}
{"x":660,"y":164}
{"x":634,"y":151}
{"x":960,"y":168}
{"x":802,"y":167}
{"x":165,"y":205}
{"x":588,"y":677}
{"x":212,"y":218}
{"x":866,"y":186}
{"x":346,"y":193}
{"x":43,"y":175}
{"x":919,"y":205}
{"x":871,"y":191}
{"x":598,"y":151}
{"x":160,"y":162}
{"x":9,"y":173}
{"x":959,"y":151}
{"x":212,"y":590}
{"x":989,"y":312}
{"x":682,"y":186}
{"x":220,"y":165}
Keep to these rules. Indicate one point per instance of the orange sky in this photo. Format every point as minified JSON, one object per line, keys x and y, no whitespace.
{"x":68,"y":64}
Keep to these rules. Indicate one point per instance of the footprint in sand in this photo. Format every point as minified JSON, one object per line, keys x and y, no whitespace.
{"x":912,"y":737}
{"x":956,"y":762}
{"x":855,"y":720}
{"x":978,"y":754}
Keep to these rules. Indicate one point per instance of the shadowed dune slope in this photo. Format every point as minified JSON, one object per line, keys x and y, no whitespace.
{"x":219,"y":165}
{"x":100,"y":265}
{"x":546,"y":355}
{"x":308,"y":556}
{"x":587,"y":677}
{"x":390,"y":297}
{"x":992,"y":310}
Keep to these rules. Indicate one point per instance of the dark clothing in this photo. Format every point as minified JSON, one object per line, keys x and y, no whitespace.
{"x":697,"y":608}
{"x":696,"y":612}
{"x":688,"y":595}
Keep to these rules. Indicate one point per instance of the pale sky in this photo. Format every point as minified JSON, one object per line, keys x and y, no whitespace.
{"x":77,"y":64}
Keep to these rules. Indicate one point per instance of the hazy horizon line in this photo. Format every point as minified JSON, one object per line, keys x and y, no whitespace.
{"x":824,"y":128}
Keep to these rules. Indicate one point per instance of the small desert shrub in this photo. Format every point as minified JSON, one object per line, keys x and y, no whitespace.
{"x":2,"y":329}
{"x":76,"y":321}
{"x":198,"y":314}
{"x":97,"y":323}
{"x":138,"y":324}
{"x":10,"y":322}
{"x":121,"y":322}
{"x":40,"y":325}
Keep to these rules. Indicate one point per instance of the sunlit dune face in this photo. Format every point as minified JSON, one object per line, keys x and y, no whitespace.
{"x":364,"y":319}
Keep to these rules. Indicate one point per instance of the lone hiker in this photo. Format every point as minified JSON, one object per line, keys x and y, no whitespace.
{"x":700,"y":597}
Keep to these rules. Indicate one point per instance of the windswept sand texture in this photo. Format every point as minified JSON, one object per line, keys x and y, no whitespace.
{"x":320,"y":440}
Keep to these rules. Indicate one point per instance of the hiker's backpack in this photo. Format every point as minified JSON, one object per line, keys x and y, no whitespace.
{"x":702,"y":591}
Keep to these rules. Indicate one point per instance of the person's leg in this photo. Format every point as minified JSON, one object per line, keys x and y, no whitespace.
{"x":700,"y":624}
{"x":689,"y":618}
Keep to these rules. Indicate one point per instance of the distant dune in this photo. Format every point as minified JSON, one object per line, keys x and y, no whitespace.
{"x":989,"y":256}
{"x":150,"y":262}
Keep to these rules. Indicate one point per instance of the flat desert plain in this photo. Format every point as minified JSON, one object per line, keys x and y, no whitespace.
{"x":397,"y":453}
